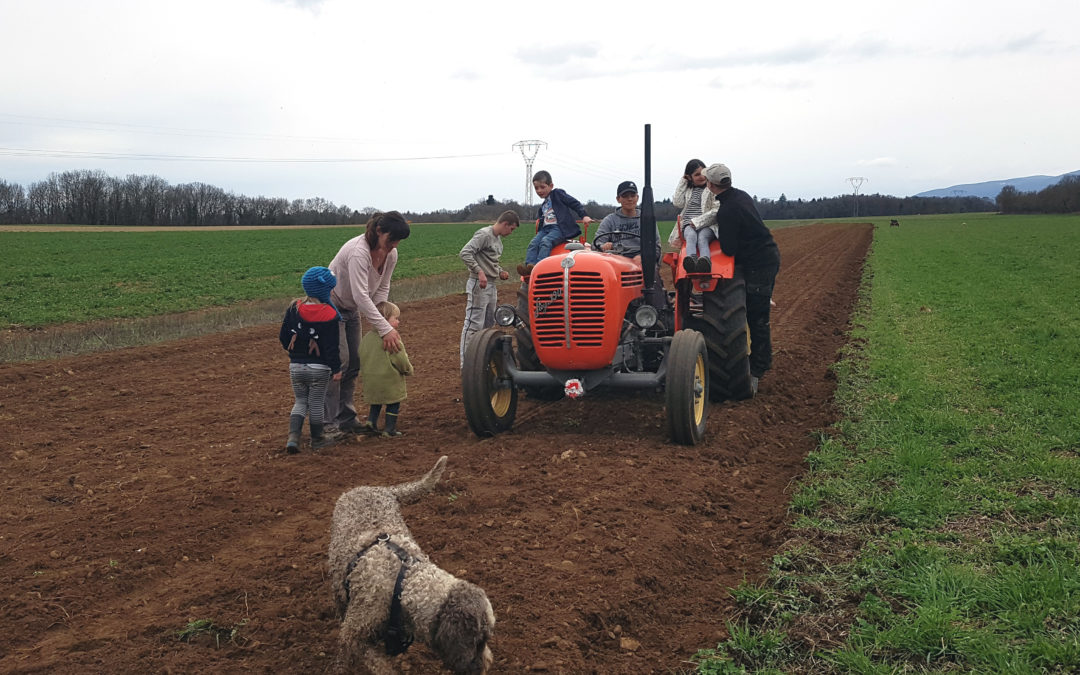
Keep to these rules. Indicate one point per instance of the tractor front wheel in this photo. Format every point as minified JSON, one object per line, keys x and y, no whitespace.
{"x":490,"y":397}
{"x":687,"y":385}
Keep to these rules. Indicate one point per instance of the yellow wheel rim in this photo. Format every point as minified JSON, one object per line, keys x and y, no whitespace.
{"x":699,"y":390}
{"x":500,"y":397}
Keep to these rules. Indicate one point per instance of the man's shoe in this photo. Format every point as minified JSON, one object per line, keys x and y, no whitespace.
{"x":689,"y":264}
{"x":352,"y":427}
{"x":331,"y":433}
{"x":704,"y":265}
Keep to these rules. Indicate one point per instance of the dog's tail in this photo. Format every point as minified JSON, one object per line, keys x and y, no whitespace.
{"x":408,"y":493}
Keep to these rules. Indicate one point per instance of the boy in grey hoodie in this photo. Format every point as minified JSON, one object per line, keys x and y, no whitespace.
{"x":481,"y":255}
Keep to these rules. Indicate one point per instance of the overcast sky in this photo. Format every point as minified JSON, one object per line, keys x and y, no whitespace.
{"x":415,"y":105}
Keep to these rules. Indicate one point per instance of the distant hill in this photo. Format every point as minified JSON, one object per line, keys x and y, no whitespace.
{"x":991,"y":188}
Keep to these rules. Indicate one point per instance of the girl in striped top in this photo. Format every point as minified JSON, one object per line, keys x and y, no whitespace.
{"x":694,"y":200}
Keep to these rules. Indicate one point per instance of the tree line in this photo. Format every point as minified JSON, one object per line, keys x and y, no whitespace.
{"x":94,"y":198}
{"x":869,"y":206}
{"x":843,"y":206}
{"x":1062,"y":197}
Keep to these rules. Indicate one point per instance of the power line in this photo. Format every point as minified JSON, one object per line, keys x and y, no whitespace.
{"x":63,"y":123}
{"x":78,"y":154}
{"x":587,"y":167}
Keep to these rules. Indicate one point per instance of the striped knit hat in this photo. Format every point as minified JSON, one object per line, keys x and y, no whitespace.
{"x":318,"y":282}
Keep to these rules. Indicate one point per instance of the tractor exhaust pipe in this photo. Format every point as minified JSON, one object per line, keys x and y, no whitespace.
{"x":648,"y":223}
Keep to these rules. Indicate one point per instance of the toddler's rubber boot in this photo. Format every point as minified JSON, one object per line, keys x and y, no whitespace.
{"x":296,"y":423}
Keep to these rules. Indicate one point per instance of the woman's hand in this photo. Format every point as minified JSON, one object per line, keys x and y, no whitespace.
{"x":391,"y":342}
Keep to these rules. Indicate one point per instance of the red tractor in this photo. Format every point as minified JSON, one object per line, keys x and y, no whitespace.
{"x":587,"y":320}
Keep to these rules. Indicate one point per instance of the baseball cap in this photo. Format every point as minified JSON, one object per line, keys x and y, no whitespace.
{"x":626,"y":186}
{"x":717,"y":173}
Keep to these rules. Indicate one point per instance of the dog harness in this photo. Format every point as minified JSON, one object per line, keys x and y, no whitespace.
{"x":397,"y":638}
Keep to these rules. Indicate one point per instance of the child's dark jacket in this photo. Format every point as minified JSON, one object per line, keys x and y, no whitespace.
{"x":309,"y":332}
{"x":565,"y":207}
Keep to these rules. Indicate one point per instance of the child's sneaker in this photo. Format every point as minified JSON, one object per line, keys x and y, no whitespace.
{"x":392,"y":434}
{"x":689,"y":264}
{"x":704,"y":265}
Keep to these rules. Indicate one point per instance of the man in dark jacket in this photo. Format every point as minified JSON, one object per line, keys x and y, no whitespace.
{"x":743,"y":235}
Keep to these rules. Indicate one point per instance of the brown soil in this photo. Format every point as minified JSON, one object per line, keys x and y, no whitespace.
{"x":145,"y":488}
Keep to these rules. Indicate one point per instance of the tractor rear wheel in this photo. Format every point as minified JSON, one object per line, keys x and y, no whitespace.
{"x":490,"y":398}
{"x":526,"y":355}
{"x":686,"y":386}
{"x":723,"y":323}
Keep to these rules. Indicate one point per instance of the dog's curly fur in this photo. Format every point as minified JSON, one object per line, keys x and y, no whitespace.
{"x":452,"y":616}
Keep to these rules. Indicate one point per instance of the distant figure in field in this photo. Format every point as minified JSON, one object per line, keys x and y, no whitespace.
{"x":894,"y":223}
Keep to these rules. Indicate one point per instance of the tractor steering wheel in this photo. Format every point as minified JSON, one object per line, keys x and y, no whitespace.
{"x":616,"y":246}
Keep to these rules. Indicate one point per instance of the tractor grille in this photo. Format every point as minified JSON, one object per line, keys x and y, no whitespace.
{"x":632,"y":279}
{"x":586,"y":310}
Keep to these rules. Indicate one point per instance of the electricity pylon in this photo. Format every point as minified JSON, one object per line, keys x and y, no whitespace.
{"x":528,"y":152}
{"x":857,"y":182}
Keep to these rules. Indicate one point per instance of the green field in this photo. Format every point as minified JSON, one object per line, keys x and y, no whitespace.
{"x":938,"y":526}
{"x":65,"y":277}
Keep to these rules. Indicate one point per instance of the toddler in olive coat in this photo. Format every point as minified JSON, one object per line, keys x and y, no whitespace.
{"x":384,"y":375}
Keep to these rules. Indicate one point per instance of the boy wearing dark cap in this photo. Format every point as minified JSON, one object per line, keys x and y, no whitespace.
{"x":620,"y":232}
{"x":309,"y":332}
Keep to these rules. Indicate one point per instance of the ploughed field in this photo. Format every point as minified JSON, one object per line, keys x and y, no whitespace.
{"x":145,"y":489}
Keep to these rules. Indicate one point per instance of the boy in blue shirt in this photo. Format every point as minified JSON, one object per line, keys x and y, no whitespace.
{"x":557,"y":221}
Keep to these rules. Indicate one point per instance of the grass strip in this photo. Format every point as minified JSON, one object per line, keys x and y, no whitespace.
{"x":938,"y":525}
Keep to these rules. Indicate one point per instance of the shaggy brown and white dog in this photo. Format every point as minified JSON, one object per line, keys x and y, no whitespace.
{"x":388,"y":591}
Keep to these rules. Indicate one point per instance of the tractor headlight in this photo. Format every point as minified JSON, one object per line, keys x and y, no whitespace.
{"x":646,"y":316}
{"x":505,"y":315}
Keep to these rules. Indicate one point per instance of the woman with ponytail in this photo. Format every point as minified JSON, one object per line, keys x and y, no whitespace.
{"x":363,"y":268}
